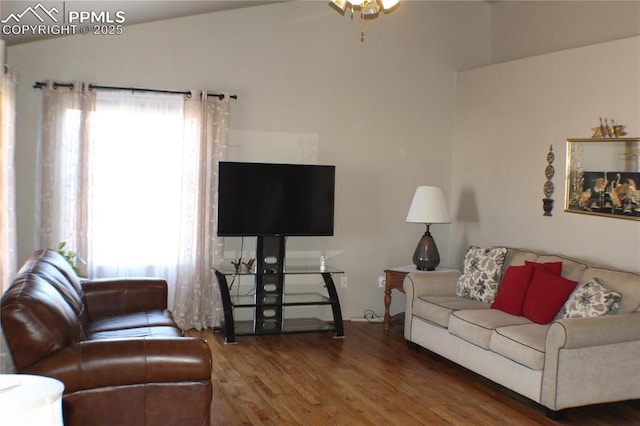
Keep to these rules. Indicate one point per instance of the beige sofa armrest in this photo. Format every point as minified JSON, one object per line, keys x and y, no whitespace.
{"x":588,"y":360}
{"x":586,"y":332}
{"x":437,"y":283}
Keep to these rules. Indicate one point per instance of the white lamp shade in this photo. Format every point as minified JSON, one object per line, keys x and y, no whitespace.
{"x":428,"y":206}
{"x":28,"y":400}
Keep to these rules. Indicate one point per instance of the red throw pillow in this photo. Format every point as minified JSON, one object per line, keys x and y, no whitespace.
{"x":554,"y":267}
{"x":513,"y":289}
{"x":546,"y":295}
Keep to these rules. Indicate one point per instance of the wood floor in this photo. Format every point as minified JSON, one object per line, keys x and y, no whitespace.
{"x":368,"y":378}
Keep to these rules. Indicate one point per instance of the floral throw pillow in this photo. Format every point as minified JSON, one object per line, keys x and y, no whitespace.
{"x":591,"y":299}
{"x":482,"y":272}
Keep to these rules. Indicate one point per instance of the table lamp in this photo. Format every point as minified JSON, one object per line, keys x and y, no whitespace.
{"x":428,"y":207}
{"x":29,"y":400}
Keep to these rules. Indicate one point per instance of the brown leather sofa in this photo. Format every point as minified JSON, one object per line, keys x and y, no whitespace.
{"x":112,"y":342}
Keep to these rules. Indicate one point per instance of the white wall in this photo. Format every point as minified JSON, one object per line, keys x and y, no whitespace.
{"x":507,"y":116}
{"x":520,"y":29}
{"x":382,"y":111}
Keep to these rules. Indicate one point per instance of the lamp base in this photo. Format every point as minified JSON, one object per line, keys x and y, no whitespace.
{"x":426,"y":256}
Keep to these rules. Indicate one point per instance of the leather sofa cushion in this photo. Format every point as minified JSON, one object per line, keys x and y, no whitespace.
{"x":158,"y":317}
{"x":476,"y":326}
{"x":438,"y":309}
{"x":109,"y":297}
{"x":157,"y":331}
{"x":58,"y":280}
{"x":524,"y":344}
{"x":37,"y":319}
{"x":54,"y":259}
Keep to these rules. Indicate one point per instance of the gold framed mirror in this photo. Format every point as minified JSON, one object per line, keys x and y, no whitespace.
{"x":603,"y":177}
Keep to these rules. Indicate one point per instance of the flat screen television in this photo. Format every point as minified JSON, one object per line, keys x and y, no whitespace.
{"x":269,"y":199}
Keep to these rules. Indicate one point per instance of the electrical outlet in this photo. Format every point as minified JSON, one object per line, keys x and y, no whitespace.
{"x":381,"y":282}
{"x":344,"y":282}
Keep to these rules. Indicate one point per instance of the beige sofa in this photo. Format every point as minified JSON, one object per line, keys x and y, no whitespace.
{"x":566,"y":363}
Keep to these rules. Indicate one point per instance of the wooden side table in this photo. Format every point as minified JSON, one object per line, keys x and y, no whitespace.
{"x":394,"y":278}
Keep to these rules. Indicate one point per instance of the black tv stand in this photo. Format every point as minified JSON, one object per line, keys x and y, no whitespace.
{"x":270,"y":297}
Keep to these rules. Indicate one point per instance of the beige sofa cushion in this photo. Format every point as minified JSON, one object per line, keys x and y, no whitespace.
{"x":523,"y":344}
{"x":571,"y":269}
{"x":517,"y":257}
{"x":437,"y":309}
{"x":476,"y":326}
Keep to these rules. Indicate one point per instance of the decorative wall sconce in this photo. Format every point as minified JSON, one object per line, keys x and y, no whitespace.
{"x":549,"y":171}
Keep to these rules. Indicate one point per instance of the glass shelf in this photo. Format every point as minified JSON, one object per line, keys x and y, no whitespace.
{"x":270,"y":299}
{"x":291,"y":325}
{"x":288,"y":270}
{"x":290,"y":299}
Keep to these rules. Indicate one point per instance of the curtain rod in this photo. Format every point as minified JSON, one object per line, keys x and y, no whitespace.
{"x":40,"y":84}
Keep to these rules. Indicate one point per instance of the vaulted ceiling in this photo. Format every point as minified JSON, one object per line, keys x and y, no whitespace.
{"x":18,"y":13}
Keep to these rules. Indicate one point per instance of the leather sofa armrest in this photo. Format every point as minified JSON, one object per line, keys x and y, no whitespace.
{"x":107,"y":297}
{"x":108,"y":363}
{"x":586,"y":332}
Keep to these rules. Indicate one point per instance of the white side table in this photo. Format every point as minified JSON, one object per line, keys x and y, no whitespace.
{"x":27,"y":400}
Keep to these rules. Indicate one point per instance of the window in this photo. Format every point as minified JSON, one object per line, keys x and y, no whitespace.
{"x":129,"y":179}
{"x":135,"y":172}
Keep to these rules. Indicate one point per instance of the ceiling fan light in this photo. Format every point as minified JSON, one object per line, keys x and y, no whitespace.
{"x":389,"y":4}
{"x":370,"y":8}
{"x":340,"y":4}
{"x":367,"y":9}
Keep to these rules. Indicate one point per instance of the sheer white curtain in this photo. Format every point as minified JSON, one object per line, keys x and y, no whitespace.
{"x":8,"y":251}
{"x":64,"y":153}
{"x":145,"y":175}
{"x":197,"y":301}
